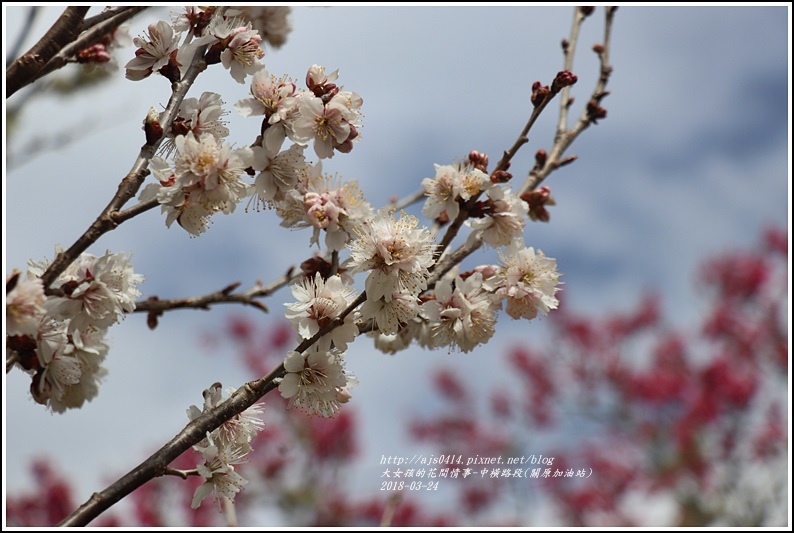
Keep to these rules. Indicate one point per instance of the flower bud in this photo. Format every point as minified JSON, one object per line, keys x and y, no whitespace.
{"x":586,"y":10}
{"x":539,"y":93}
{"x":213,"y":55}
{"x":540,"y":158}
{"x":595,"y":111}
{"x":537,"y":201}
{"x":564,"y":78}
{"x":152,"y":127}
{"x":501,"y":176}
{"x":97,"y":53}
{"x":598,"y":48}
{"x":478,"y":160}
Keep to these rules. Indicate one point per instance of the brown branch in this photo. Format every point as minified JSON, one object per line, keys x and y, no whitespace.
{"x":90,"y":36}
{"x":129,"y":186}
{"x":564,"y":140}
{"x":65,"y":30}
{"x":568,"y":50}
{"x":157,"y":464}
{"x":153,"y":304}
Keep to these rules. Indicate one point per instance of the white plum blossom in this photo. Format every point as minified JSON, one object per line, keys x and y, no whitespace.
{"x":390,"y":314}
{"x":327,"y":116}
{"x":528,"y":280}
{"x":275,"y":99}
{"x":218,"y":471}
{"x":241,"y":47}
{"x":205,"y":179}
{"x":210,"y":172}
{"x":24,"y":304}
{"x":66,"y":375}
{"x":319,"y":303}
{"x":463,"y":316}
{"x":279,"y":173}
{"x":333,"y":206}
{"x":197,"y":115}
{"x":324,"y":203}
{"x":239,"y":430}
{"x":396,"y":254}
{"x":451,"y":184}
{"x":177,"y":206}
{"x":503,"y":224}
{"x":60,"y":341}
{"x":224,"y":447}
{"x":154,"y":51}
{"x":98,"y":291}
{"x":314,"y":381}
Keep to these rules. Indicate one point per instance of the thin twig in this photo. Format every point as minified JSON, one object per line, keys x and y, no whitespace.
{"x":225,"y":295}
{"x":89,"y":37}
{"x":404,"y":202}
{"x":562,"y":142}
{"x":568,"y":49}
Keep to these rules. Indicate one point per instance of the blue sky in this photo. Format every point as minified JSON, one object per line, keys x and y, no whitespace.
{"x":692,"y":160}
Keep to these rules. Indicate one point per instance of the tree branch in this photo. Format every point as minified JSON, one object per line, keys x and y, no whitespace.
{"x":90,"y":36}
{"x":65,"y":30}
{"x":588,"y":116}
{"x":133,"y":180}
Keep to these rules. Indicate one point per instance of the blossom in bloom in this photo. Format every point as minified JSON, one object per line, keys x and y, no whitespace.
{"x":241,"y":47}
{"x":24,"y":304}
{"x":333,"y":206}
{"x":210,"y":172}
{"x":100,"y":291}
{"x":503,"y":223}
{"x":463,"y":316}
{"x":218,"y":471}
{"x":272,"y":97}
{"x":314,"y":381}
{"x":279,"y":173}
{"x":275,"y":99}
{"x":451,"y":184}
{"x":154,"y":52}
{"x":319,"y":303}
{"x":390,"y":314}
{"x":66,"y":373}
{"x":239,"y":430}
{"x":396,"y":254}
{"x":329,"y":120}
{"x":176,"y":205}
{"x":199,"y":115}
{"x":528,"y":280}
{"x":205,"y":179}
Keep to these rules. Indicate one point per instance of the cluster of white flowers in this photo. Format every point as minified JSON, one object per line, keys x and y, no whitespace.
{"x":451,"y":185}
{"x":461,"y":310}
{"x":60,"y":340}
{"x":206,"y":175}
{"x":223,"y":448}
{"x":397,"y":256}
{"x":316,"y":381}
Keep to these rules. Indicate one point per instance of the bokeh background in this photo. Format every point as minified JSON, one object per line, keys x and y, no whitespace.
{"x":693,"y":159}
